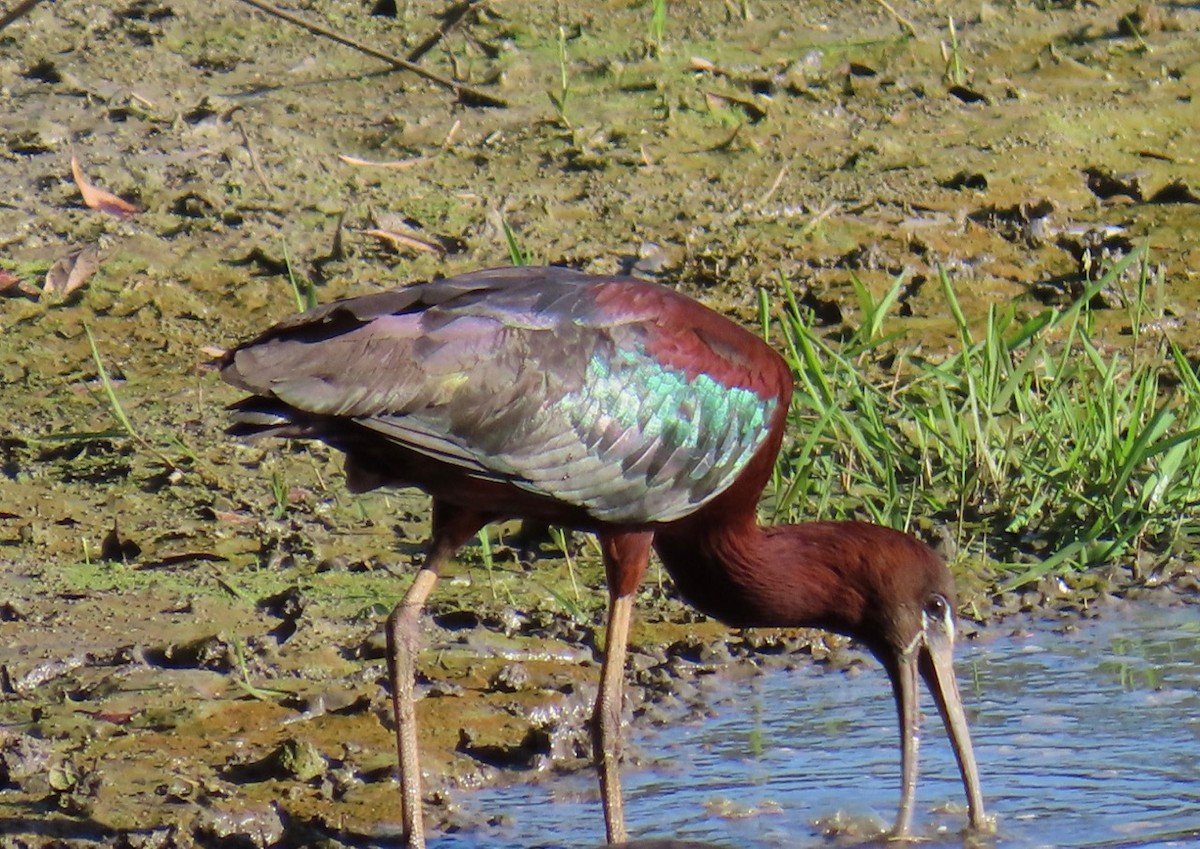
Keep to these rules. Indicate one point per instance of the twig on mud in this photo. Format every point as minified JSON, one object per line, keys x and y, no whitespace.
{"x":817,"y":219}
{"x":450,"y":19}
{"x":19,"y":11}
{"x":254,"y":163}
{"x":749,"y":206}
{"x":762,"y":201}
{"x":392,"y":165}
{"x":900,"y":19}
{"x":467,"y":94}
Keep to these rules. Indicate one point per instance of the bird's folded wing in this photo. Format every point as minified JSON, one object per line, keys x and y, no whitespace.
{"x":532,"y":387}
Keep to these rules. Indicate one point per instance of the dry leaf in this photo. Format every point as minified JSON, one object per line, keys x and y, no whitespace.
{"x":754,"y":110}
{"x":403,"y":240}
{"x":396,"y":165}
{"x":72,"y":271}
{"x":699,"y":63}
{"x":97,"y":198}
{"x":233,"y":518}
{"x":12,"y":286}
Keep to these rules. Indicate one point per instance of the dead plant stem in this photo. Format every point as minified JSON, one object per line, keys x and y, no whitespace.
{"x":464,"y":92}
{"x":900,"y":19}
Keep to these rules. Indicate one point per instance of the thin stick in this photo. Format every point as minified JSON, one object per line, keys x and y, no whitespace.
{"x":464,"y":92}
{"x":900,"y":19}
{"x":254,"y":163}
{"x":19,"y":11}
{"x":762,"y":201}
{"x":817,"y":219}
{"x":450,"y":19}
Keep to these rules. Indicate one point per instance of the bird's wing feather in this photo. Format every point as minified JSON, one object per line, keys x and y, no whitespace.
{"x":590,"y":391}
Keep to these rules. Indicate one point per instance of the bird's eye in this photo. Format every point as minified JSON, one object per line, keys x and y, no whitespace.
{"x":937,"y":618}
{"x":937,"y":607}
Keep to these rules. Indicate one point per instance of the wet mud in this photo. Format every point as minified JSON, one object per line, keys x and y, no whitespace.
{"x":190,"y":650}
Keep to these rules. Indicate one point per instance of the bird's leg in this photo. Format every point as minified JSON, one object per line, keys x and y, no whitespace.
{"x":606,"y":721}
{"x":626,"y":556}
{"x":451,"y":528}
{"x":403,"y":632}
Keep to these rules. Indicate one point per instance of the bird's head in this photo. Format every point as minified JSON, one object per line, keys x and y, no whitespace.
{"x":908,"y":594}
{"x":884,"y":588}
{"x":909,"y":623}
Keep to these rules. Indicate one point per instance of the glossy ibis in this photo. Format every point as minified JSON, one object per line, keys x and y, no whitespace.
{"x":612,"y":405}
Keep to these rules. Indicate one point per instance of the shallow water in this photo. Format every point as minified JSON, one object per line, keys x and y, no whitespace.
{"x":1085,"y":737}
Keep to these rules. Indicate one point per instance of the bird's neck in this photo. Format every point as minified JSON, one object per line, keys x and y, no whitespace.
{"x":750,"y":576}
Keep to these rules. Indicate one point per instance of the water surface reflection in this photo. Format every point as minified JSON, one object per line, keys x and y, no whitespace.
{"x":1085,"y":737}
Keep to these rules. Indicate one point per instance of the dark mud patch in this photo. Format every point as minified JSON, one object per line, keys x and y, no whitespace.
{"x":189,"y":646}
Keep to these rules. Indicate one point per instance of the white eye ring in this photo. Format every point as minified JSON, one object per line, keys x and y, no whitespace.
{"x":937,"y":609}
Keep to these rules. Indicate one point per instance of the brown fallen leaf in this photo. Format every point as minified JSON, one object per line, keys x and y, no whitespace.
{"x":754,"y":110}
{"x":72,"y":271}
{"x":397,"y":241}
{"x":700,"y":64}
{"x":97,"y":198}
{"x":12,"y":286}
{"x":231,"y":518}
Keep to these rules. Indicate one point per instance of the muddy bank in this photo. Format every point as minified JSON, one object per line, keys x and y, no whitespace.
{"x":189,"y":626}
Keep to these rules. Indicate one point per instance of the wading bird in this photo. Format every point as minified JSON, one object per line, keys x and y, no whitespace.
{"x":611,"y":405}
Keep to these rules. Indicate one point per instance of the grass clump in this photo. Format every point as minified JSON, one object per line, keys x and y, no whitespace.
{"x":658,"y":24}
{"x":559,"y":98}
{"x":1031,"y":440}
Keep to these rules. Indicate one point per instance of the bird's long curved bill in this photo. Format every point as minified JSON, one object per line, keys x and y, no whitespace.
{"x":935,"y":663}
{"x":937,"y":668}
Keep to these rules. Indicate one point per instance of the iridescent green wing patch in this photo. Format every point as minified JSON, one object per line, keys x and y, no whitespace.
{"x":653,"y":443}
